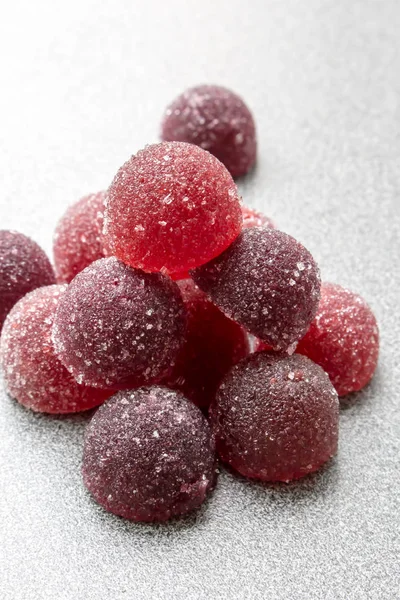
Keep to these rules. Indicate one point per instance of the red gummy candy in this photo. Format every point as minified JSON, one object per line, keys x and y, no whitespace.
{"x":78,"y":236}
{"x":266,"y":281}
{"x":32,"y":372}
{"x":170,"y":208}
{"x":343,"y":339}
{"x":217,"y":120}
{"x":149,"y":455}
{"x":213,"y":345}
{"x":276,"y":418}
{"x":253,"y":218}
{"x":118,"y":327}
{"x":23,"y":267}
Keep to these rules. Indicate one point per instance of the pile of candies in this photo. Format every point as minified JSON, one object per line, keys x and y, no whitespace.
{"x":162,"y":286}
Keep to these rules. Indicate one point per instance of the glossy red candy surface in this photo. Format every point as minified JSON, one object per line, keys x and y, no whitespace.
{"x":32,"y":372}
{"x":343,"y":338}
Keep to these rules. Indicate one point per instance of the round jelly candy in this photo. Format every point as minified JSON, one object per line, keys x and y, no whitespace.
{"x":253,"y":218}
{"x":170,"y":208}
{"x":149,"y":455}
{"x":23,"y":267}
{"x":32,"y":372}
{"x":118,"y":327}
{"x":217,"y":120}
{"x":266,"y":281}
{"x":275,"y":418}
{"x":78,"y":237}
{"x":343,"y":339}
{"x":213,"y":345}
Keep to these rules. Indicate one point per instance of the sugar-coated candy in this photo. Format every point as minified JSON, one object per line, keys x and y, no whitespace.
{"x":253,"y":218}
{"x":23,"y":267}
{"x":217,"y":120}
{"x":118,"y":327}
{"x":32,"y":372}
{"x":343,"y":338}
{"x":275,"y":418}
{"x":149,"y":455}
{"x":266,"y":281}
{"x":213,"y":345}
{"x":170,"y":208}
{"x":78,"y":236}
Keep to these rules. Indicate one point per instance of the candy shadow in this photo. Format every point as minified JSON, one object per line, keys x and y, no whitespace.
{"x":166,"y":529}
{"x":312,"y":486}
{"x":359,"y":399}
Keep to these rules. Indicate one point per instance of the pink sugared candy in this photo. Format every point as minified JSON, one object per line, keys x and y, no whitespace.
{"x":343,"y":339}
{"x":32,"y":372}
{"x":118,"y":327}
{"x":266,"y":281}
{"x":170,"y":208}
{"x":253,"y":218}
{"x":78,"y":237}
{"x":149,"y":455}
{"x":275,"y":418}
{"x":23,"y":267}
{"x":217,"y":120}
{"x":213,"y":345}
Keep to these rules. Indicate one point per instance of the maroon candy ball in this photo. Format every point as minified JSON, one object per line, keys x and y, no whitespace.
{"x":149,"y":455}
{"x":78,"y":237}
{"x":343,"y":339}
{"x":170,"y":208}
{"x":23,"y":267}
{"x":275,"y":418}
{"x":118,"y":327}
{"x":253,"y":218}
{"x":213,"y":345}
{"x":32,"y":372}
{"x":266,"y":281}
{"x":217,"y":120}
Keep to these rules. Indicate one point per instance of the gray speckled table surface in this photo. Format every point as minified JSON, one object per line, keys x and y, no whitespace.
{"x":83,"y":86}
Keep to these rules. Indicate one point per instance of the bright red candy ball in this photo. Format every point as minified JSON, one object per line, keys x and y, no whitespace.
{"x":266,"y":281}
{"x":32,"y":372}
{"x":253,"y":218}
{"x":170,"y":208}
{"x":343,"y":339}
{"x":217,"y":120}
{"x":118,"y":327}
{"x":213,"y":345}
{"x":275,"y":418}
{"x":78,"y":236}
{"x":23,"y":267}
{"x":149,"y":455}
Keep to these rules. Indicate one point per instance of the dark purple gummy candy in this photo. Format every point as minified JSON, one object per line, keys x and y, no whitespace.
{"x":217,"y":120}
{"x":149,"y":455}
{"x":275,"y":418}
{"x":23,"y":267}
{"x":266,"y":281}
{"x":118,"y":327}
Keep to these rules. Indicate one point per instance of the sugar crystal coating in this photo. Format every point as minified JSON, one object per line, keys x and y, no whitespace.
{"x":170,"y":208}
{"x":149,"y":455}
{"x":78,"y":236}
{"x":275,"y":418}
{"x":32,"y":372}
{"x":213,"y":345}
{"x":23,"y":267}
{"x":266,"y":281}
{"x":118,"y":327}
{"x":254,"y":218}
{"x":343,"y":339}
{"x":217,"y":120}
